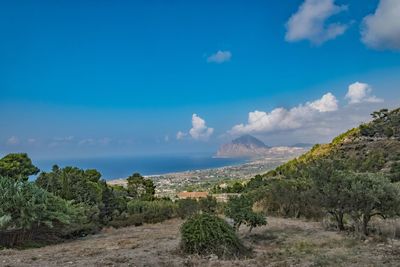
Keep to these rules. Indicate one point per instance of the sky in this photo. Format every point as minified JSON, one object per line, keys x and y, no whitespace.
{"x":101,"y":78}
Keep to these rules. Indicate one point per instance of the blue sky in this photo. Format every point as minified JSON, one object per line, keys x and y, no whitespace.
{"x":88,"y":78}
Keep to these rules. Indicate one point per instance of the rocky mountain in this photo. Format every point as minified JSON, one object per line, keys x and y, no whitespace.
{"x":249,"y":146}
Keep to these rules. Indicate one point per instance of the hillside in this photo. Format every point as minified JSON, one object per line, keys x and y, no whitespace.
{"x":371,"y":147}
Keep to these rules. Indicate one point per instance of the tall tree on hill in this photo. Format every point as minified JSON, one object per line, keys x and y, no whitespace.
{"x":17,"y":166}
{"x":140,"y":188}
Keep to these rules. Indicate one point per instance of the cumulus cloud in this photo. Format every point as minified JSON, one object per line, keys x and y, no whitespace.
{"x":328,"y":102}
{"x":13,"y":140}
{"x":381,"y":30}
{"x":309,"y":22}
{"x":220,"y":57}
{"x":360,"y":93}
{"x":199,"y":130}
{"x":286,"y":119}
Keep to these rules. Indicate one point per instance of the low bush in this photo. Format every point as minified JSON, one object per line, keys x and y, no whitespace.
{"x":208,"y":204}
{"x":187,"y":207}
{"x":134,"y":219}
{"x":206,"y":234}
{"x":152,"y":211}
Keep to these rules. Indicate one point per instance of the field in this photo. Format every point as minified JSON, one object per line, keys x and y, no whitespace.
{"x":283,"y":242}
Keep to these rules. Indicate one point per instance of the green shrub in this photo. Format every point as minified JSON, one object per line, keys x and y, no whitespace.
{"x":152,"y":211}
{"x":208,"y":204}
{"x":187,"y":207}
{"x":134,"y":219}
{"x":240,"y":209}
{"x":206,"y":234}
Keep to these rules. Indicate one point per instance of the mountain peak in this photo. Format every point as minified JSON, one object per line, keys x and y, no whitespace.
{"x":249,"y":141}
{"x":249,"y":146}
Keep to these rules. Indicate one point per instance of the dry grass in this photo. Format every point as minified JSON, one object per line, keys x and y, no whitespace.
{"x":283,"y":242}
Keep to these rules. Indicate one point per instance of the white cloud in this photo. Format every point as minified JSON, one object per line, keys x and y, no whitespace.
{"x":180,"y":135}
{"x":199,"y":130}
{"x":13,"y":140}
{"x":286,"y":119}
{"x":327,"y":103}
{"x":309,"y":22}
{"x":220,"y":57}
{"x":361,"y":92}
{"x":381,"y":30}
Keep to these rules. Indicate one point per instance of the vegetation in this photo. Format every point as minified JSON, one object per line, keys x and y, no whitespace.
{"x":25,"y":208}
{"x":234,"y":187}
{"x":240,"y":209}
{"x":351,"y":180}
{"x":17,"y":166}
{"x":140,"y":188}
{"x":353,"y":177}
{"x":208,"y":204}
{"x":207,"y":234}
{"x":152,"y":211}
{"x":187,"y":207}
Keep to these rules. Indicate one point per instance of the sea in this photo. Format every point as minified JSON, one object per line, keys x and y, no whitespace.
{"x":122,"y":167}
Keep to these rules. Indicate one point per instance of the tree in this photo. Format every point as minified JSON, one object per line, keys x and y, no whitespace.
{"x":113,"y":203}
{"x":72,"y":183}
{"x":240,"y":209}
{"x":140,"y":188}
{"x":17,"y":166}
{"x":372,"y":194}
{"x":334,"y":196}
{"x":331,"y":188}
{"x":25,"y":206}
{"x":237,"y":187}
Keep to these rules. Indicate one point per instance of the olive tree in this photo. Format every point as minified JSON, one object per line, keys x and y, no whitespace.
{"x":372,"y":194}
{"x":240,"y":209}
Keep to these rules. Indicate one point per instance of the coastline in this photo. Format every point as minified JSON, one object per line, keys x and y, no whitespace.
{"x":169,"y":184}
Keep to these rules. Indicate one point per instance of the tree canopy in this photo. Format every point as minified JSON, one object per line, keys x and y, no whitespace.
{"x":17,"y":166}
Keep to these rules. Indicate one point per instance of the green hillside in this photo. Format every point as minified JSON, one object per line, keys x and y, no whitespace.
{"x":371,"y":147}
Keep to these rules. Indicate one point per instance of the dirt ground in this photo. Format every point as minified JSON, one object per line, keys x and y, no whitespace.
{"x":283,"y":242}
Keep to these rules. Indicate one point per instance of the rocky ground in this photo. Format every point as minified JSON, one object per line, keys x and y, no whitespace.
{"x":283,"y":242}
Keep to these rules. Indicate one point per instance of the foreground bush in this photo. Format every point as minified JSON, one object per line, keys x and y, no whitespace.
{"x":25,"y":208}
{"x":206,"y":234}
